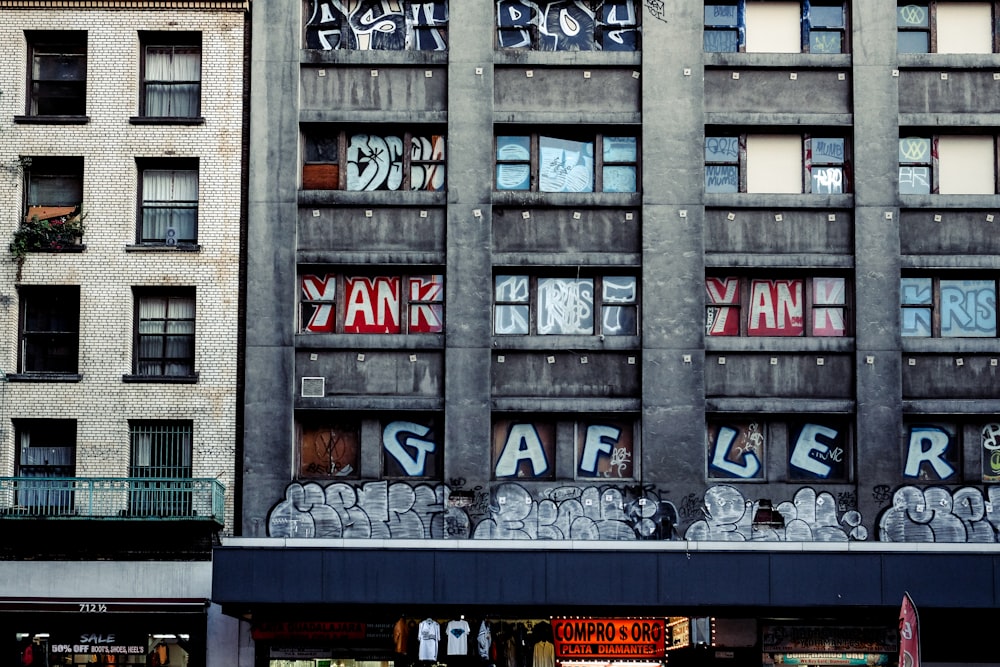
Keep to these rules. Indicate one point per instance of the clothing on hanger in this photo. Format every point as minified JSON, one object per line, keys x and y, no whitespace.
{"x":429,"y":632}
{"x":458,"y":637}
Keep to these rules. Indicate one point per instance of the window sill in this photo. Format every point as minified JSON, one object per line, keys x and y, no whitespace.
{"x":949,"y":346}
{"x":166,"y":120}
{"x":163,"y":247}
{"x":44,"y":377}
{"x":52,"y":120}
{"x":160,"y":379}
{"x":775,"y":344}
{"x":67,"y":248}
{"x":810,"y":60}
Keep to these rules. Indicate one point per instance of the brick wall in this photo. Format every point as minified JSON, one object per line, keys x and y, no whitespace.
{"x":106,"y":271}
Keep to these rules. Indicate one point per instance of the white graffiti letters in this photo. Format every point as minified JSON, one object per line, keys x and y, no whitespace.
{"x":523,"y":444}
{"x":599,"y":440}
{"x":400,"y":437}
{"x":809,"y":442}
{"x":720,"y":456}
{"x":928,"y":444}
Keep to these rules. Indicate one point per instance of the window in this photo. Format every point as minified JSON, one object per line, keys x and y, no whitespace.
{"x":945,"y":27}
{"x":566,"y":162}
{"x":164,"y":344}
{"x":947,"y":164}
{"x":339,"y":303}
{"x":564,"y":25}
{"x":551,"y":305}
{"x":777,"y":163}
{"x":742,"y":306}
{"x":948,"y":307}
{"x":357,"y":161}
{"x":818,"y":447}
{"x":58,"y":61}
{"x":171,"y":75}
{"x":160,"y":464}
{"x":46,"y":449}
{"x":50,"y":329}
{"x":328,"y":448}
{"x":169,"y":201}
{"x":933,"y":450}
{"x":53,"y":182}
{"x":605,"y":447}
{"x":776,"y":26}
{"x":417,"y":25}
{"x":412,"y":447}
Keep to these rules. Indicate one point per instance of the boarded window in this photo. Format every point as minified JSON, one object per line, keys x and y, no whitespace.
{"x":773,"y":27}
{"x":964,"y":27}
{"x":774,"y":163}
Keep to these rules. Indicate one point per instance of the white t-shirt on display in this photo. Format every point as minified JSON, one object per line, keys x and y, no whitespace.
{"x":429,"y":633}
{"x":458,"y":637}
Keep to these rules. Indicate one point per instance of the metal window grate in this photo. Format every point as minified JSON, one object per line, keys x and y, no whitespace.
{"x":161,"y":453}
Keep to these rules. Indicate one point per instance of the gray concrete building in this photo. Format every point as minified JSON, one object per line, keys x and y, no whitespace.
{"x":608,"y":309}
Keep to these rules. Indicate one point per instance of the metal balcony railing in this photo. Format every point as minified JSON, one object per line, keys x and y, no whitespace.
{"x":106,"y":498}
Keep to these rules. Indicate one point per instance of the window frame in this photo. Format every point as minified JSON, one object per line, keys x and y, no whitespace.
{"x":779,"y":435}
{"x":933,"y":163}
{"x":806,"y":22}
{"x":930,"y":28}
{"x":173,"y":40}
{"x":810,"y":307}
{"x":51,"y":167}
{"x":809,"y":163}
{"x":315,"y":37}
{"x":174,"y":165}
{"x":64,"y":44}
{"x":533,"y":39}
{"x":318,"y":173}
{"x":935,"y":306}
{"x":597,"y":140}
{"x":316,"y":422}
{"x":556,"y":433}
{"x":340,"y":275}
{"x":46,"y":498}
{"x":532,"y":301}
{"x":66,"y":301}
{"x":140,"y":362}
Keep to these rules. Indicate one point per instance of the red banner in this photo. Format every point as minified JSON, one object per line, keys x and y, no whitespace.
{"x":624,"y":638}
{"x":909,"y":634}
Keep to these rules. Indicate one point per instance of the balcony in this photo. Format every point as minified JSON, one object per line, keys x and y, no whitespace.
{"x":112,"y":498}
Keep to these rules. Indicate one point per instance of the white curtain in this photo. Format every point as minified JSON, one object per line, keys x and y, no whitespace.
{"x":169,"y":205}
{"x":166,"y":336}
{"x":173,"y":81}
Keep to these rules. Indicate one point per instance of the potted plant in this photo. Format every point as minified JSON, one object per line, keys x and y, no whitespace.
{"x":47,"y":229}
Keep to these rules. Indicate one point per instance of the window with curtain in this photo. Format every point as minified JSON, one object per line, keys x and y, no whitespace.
{"x":46,"y":450}
{"x":169,"y":203}
{"x":165,"y":334}
{"x":171,"y":83}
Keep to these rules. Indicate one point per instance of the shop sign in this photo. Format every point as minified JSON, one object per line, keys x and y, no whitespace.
{"x":830,"y":638}
{"x":271,"y":630}
{"x":859,"y":659}
{"x":624,"y":638}
{"x":98,"y":643}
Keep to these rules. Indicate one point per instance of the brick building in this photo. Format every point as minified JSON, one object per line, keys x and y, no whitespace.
{"x":605,"y":309}
{"x":121,"y":145}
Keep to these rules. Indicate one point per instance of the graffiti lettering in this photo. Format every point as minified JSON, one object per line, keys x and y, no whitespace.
{"x":400,"y":438}
{"x":372,"y":305}
{"x":523,"y":444}
{"x":930,"y":445}
{"x":746,"y":465}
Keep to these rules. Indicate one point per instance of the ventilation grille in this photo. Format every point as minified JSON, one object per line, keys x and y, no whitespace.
{"x":313,"y":387}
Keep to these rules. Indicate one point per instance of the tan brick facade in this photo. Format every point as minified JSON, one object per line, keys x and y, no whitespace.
{"x":111,"y":265}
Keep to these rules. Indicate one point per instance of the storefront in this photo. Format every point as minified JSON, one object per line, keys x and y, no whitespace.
{"x":829,"y":646}
{"x":472,"y":642}
{"x":40,"y":633}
